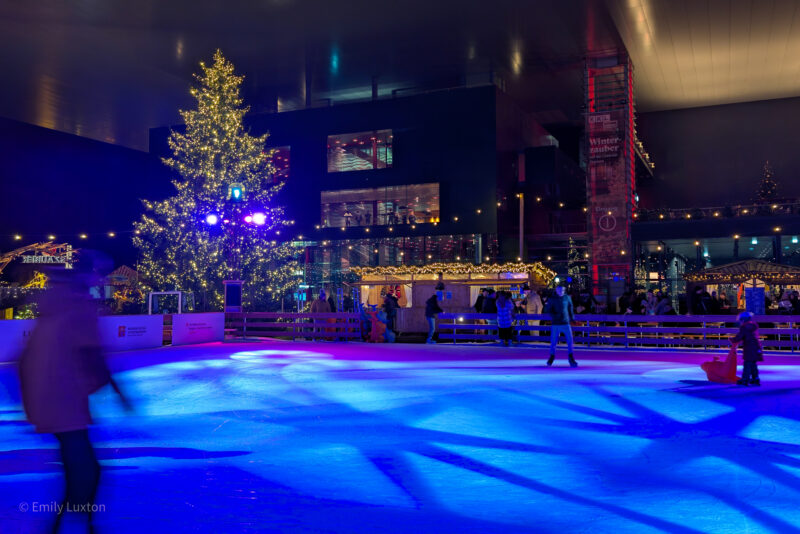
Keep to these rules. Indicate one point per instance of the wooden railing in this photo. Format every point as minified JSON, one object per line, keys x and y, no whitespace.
{"x":778,"y":332}
{"x":330,"y":326}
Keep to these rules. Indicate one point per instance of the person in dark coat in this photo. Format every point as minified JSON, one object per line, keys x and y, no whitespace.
{"x":505,"y":317}
{"x":347,"y":303}
{"x":332,"y":302}
{"x":479,"y":301}
{"x":560,"y":309}
{"x":489,"y":306}
{"x":751,"y":349}
{"x":390,"y":306}
{"x":432,"y":309}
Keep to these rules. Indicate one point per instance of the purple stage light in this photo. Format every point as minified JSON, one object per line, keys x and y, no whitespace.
{"x":212,"y":219}
{"x":248,"y":218}
{"x":259,"y":218}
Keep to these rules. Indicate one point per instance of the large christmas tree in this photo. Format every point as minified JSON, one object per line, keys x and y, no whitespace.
{"x":221,"y":224}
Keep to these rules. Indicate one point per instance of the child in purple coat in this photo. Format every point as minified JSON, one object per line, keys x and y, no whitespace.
{"x":751,"y":349}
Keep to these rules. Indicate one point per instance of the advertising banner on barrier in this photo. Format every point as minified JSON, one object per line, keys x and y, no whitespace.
{"x":13,"y":335}
{"x":190,"y":328}
{"x":128,"y":332}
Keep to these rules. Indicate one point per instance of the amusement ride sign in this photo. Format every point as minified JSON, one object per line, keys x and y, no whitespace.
{"x":64,"y":259}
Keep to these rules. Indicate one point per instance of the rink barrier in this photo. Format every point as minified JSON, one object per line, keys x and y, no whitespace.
{"x":778,"y":332}
{"x":330,"y":326}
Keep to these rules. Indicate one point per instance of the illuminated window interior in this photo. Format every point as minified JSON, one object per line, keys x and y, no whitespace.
{"x":382,"y":206}
{"x":360,"y":151}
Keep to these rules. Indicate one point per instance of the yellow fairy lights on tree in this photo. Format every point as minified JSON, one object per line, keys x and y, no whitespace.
{"x":179,"y":251}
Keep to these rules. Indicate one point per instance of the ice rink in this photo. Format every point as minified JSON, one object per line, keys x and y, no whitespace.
{"x":331,"y":437}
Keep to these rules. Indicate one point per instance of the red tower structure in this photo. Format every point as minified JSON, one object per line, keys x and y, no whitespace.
{"x":611,"y":170}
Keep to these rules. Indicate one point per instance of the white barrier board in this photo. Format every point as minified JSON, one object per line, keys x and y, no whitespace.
{"x":129,"y":332}
{"x":188,"y":328}
{"x":13,"y":335}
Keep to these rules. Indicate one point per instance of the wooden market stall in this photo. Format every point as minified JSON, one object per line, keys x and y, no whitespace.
{"x":733,"y":278}
{"x":463,"y":282}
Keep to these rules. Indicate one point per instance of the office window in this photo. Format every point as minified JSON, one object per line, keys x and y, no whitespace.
{"x":360,"y":151}
{"x":382,"y":206}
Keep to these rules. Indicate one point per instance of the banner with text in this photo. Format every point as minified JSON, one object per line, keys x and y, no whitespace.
{"x":609,"y":187}
{"x":188,"y":328}
{"x":129,"y":332}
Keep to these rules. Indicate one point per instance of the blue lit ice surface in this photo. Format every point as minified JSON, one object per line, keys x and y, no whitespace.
{"x":326,"y":437}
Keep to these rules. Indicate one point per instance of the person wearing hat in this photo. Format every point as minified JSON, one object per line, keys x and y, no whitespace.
{"x":432,"y":309}
{"x":751,"y":349}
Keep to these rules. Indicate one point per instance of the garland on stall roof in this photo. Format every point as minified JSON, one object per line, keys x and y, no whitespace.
{"x":457,"y":268}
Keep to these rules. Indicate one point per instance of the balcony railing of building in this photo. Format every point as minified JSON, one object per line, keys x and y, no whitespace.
{"x":790,"y":207}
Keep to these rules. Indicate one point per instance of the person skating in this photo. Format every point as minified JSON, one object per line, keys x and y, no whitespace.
{"x":751,"y":349}
{"x":432,"y":309}
{"x":60,"y":367}
{"x":559,"y":307}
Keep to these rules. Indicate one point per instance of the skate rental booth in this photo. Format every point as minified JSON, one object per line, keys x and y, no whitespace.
{"x":414,"y":284}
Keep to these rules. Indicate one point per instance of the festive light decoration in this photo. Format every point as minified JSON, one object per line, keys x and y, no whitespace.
{"x":745,"y":271}
{"x":768,"y":187}
{"x":536,"y":268}
{"x":222,"y":170}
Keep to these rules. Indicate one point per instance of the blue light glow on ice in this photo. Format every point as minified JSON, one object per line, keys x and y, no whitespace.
{"x":329,"y":437}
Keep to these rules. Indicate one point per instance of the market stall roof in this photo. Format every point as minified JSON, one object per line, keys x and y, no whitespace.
{"x":744,"y":271}
{"x":537,"y":272}
{"x":122,"y":276}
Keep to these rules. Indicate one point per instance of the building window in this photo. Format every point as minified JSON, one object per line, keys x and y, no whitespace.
{"x":280,"y":161}
{"x":382,"y":206}
{"x":360,"y":151}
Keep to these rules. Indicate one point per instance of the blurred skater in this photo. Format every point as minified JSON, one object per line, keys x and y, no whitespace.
{"x":60,"y":367}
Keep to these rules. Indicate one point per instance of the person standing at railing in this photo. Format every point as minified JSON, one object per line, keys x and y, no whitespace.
{"x":751,"y":349}
{"x":432,"y":309}
{"x":649,"y":304}
{"x":505,"y":317}
{"x":490,"y":307}
{"x":320,"y":305}
{"x":560,"y":309}
{"x":390,"y":306}
{"x":534,"y":307}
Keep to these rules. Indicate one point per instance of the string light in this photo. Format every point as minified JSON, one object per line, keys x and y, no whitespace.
{"x":451,"y":268}
{"x":214,"y":131}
